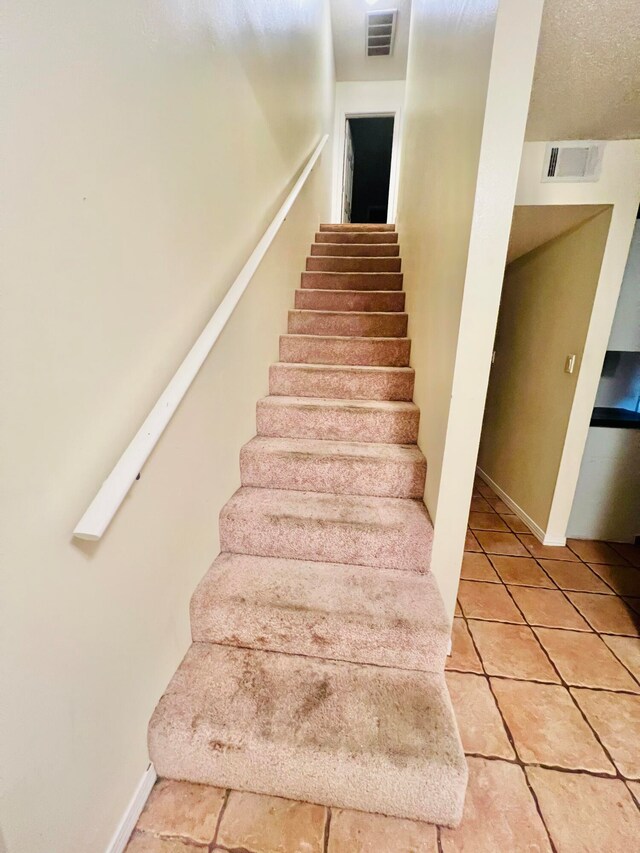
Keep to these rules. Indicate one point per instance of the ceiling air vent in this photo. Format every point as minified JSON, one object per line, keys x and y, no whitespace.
{"x":572,"y":161}
{"x":381,"y":28}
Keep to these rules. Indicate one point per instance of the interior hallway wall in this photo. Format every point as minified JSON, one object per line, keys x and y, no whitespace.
{"x":547,"y":298}
{"x":469,"y":79}
{"x":619,"y":186}
{"x":150,"y":146}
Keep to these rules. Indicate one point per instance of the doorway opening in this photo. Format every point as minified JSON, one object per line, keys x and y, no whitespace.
{"x":527,"y":455}
{"x":367,"y":168}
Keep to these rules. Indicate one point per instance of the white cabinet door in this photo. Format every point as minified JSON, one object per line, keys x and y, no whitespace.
{"x":625,"y":332}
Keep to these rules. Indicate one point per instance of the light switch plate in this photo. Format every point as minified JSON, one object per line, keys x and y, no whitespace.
{"x":570,"y":363}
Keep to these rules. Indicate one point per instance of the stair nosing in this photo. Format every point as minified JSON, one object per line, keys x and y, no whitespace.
{"x":351,"y":272}
{"x":328,"y":243}
{"x":332,"y":291}
{"x":325,"y":657}
{"x":357,"y":367}
{"x":348,"y":313}
{"x":310,"y":496}
{"x":353,"y":257}
{"x":339,"y":402}
{"x":368,"y":445}
{"x":357,"y":338}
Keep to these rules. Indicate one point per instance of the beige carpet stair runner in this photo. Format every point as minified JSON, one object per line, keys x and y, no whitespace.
{"x":319,"y":638}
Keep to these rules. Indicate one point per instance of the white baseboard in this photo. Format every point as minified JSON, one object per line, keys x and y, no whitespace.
{"x":537,"y":531}
{"x":132,"y":812}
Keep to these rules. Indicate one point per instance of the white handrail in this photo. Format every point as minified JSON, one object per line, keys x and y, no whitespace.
{"x":115,"y":488}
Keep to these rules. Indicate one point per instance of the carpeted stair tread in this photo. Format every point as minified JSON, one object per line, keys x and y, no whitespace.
{"x":328,"y":280}
{"x":380,"y":324}
{"x":356,"y":237}
{"x":355,"y":382}
{"x":342,"y":420}
{"x":356,"y":249}
{"x":345,"y":350}
{"x":336,"y":467}
{"x":349,"y":300}
{"x":329,"y":610}
{"x":390,"y":533}
{"x":362,"y":737}
{"x":340,"y":264}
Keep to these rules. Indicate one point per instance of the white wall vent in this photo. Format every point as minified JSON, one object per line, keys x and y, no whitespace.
{"x":573,"y":160}
{"x":381,"y":30}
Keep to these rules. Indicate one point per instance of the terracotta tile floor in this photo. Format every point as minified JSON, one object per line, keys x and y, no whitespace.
{"x":545,"y":678}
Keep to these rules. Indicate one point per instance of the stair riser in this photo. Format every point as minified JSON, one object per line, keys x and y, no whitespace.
{"x":337,"y":424}
{"x":404,"y":547}
{"x":357,"y":226}
{"x":356,"y":250}
{"x":367,"y":325}
{"x":292,"y":381}
{"x":351,"y":281}
{"x":356,"y":237}
{"x":312,"y":730}
{"x":315,"y":776}
{"x":337,"y":475}
{"x":315,"y":349}
{"x":353,"y":264}
{"x":350,"y":300}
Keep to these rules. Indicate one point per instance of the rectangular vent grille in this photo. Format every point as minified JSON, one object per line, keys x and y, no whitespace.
{"x":572,"y":161}
{"x":381,"y":28}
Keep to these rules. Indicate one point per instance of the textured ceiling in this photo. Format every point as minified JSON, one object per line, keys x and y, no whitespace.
{"x":533,"y":225}
{"x":587,"y":76}
{"x":348,"y":21}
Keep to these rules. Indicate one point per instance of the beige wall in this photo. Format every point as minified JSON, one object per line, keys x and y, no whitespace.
{"x":547,"y":299}
{"x":150,"y":145}
{"x":619,"y":186}
{"x":468,"y":84}
{"x":446,"y":91}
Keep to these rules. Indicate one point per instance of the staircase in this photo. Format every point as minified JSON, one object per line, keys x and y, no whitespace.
{"x":319,"y":638}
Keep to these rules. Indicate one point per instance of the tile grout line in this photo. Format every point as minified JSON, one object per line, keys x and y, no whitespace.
{"x":620,"y":661}
{"x":568,"y":684}
{"x":517,"y":759}
{"x":541,"y":681}
{"x":524,"y":765}
{"x":546,"y":574}
{"x":550,"y":627}
{"x":562,"y":769}
{"x":227,"y":794}
{"x":563,"y":683}
{"x":537,"y":638}
{"x":567,"y":687}
{"x":327,"y":830}
{"x":556,"y":588}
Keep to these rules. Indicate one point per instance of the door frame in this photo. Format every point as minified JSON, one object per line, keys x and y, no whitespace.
{"x":338,"y":188}
{"x":348,"y":148}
